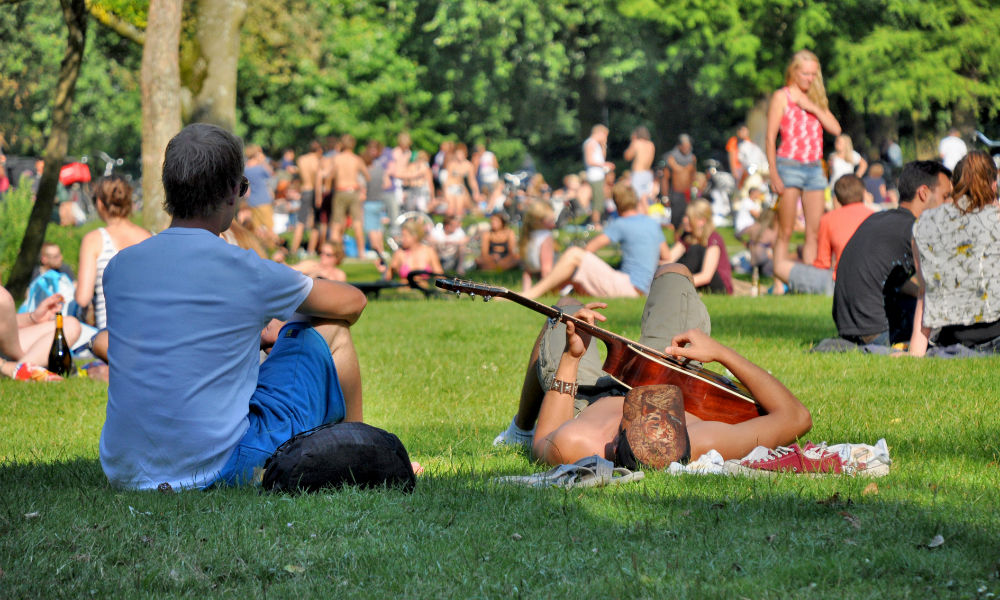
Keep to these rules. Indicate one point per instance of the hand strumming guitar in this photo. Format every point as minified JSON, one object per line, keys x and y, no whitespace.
{"x":697,"y":345}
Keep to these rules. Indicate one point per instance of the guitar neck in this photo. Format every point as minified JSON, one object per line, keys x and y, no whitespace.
{"x":609,"y":338}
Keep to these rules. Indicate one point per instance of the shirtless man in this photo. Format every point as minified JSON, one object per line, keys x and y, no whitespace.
{"x":595,"y":149}
{"x":308,"y":164}
{"x":348,"y":169}
{"x":570,"y":409}
{"x":641,"y":152}
{"x":682,"y":164}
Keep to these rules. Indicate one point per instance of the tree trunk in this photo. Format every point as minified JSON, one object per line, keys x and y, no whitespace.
{"x":218,"y":38}
{"x":75,"y":15}
{"x":161,"y":107}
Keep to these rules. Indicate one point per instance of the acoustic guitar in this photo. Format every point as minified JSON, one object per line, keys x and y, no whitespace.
{"x":707,"y":395}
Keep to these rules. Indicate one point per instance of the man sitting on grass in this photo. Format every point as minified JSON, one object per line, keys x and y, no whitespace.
{"x":189,"y":403}
{"x":643,"y":247}
{"x":835,"y":229}
{"x":570,"y":408}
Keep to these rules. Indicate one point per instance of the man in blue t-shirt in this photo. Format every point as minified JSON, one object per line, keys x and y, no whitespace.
{"x":189,"y":402}
{"x":643,"y":247}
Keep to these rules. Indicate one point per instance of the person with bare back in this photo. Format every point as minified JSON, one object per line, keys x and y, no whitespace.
{"x":308,"y":164}
{"x":641,"y":152}
{"x":349,"y":176}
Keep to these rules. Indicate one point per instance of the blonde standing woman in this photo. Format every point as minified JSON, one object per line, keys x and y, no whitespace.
{"x":800,"y":113}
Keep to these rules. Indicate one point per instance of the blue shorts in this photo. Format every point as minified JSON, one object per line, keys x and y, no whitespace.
{"x":805,"y":176}
{"x":374,"y":213}
{"x":297,"y":389}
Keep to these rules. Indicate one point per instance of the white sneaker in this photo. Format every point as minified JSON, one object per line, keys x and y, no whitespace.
{"x":514,"y":436}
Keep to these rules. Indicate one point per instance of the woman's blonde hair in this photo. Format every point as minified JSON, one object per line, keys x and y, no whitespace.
{"x":702,"y":209}
{"x":416,"y":229}
{"x":848,"y":145}
{"x":817,"y":91}
{"x":977,"y":174}
{"x":535,"y":218}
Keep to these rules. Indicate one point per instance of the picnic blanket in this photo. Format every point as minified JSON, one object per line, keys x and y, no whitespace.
{"x":846,"y":459}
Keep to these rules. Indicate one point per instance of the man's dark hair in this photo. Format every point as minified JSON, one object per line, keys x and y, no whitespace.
{"x":918,"y":173}
{"x":202,"y":165}
{"x":849,"y":189}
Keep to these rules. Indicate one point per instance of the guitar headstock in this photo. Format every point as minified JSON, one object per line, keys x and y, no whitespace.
{"x":460,"y":286}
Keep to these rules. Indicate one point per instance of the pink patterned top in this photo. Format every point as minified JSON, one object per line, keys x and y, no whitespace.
{"x":801,"y":134}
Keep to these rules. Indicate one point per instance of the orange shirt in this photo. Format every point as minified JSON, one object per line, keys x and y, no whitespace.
{"x":835,"y":230}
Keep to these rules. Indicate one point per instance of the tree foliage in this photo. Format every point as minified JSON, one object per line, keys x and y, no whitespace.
{"x":525,"y":75}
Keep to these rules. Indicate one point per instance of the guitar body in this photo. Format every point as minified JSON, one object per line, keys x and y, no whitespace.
{"x":707,"y":395}
{"x":634,"y":368}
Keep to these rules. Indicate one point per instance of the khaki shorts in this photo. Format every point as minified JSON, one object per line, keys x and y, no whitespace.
{"x":594,"y":277}
{"x":347,"y":203}
{"x":672,"y":307}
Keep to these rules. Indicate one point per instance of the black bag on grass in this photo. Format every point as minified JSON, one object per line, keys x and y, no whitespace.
{"x":338,"y":454}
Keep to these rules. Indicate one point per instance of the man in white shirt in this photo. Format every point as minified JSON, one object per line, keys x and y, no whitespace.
{"x":952,"y":149}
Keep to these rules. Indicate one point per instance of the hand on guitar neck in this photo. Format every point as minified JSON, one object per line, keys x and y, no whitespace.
{"x":577,"y":342}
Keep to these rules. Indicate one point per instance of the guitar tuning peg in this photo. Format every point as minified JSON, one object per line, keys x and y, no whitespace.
{"x":486,"y":298}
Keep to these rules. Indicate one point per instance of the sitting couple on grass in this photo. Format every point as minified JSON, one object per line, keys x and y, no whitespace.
{"x":570,"y":409}
{"x":190,"y":405}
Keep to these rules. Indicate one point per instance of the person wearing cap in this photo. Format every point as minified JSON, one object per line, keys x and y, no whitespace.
{"x":569,"y":408}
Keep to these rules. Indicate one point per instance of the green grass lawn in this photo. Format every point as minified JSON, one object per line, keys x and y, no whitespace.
{"x":444,"y":375}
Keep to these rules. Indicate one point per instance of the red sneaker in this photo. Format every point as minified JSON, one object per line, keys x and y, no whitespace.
{"x":29,"y":372}
{"x":812,"y":459}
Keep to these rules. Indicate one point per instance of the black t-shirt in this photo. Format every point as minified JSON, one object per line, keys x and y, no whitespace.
{"x":876,"y":262}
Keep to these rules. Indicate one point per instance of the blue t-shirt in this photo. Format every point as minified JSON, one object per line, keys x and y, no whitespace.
{"x":640,"y":238}
{"x":185,"y":312}
{"x":260,"y":185}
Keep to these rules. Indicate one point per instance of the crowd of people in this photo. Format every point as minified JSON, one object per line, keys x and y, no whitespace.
{"x":906,"y":257}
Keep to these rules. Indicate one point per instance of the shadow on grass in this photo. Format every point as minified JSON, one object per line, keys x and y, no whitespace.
{"x":462,"y":535}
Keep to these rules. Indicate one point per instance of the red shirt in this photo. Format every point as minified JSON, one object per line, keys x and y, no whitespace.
{"x":835,"y":230}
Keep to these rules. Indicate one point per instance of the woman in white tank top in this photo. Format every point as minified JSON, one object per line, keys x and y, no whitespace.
{"x":113,"y":198}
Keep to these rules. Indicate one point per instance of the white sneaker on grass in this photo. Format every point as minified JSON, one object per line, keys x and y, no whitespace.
{"x":514,"y":436}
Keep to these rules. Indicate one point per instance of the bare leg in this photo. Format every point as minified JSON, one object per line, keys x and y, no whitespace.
{"x":37,"y":339}
{"x":787,"y":207}
{"x":336,"y":232}
{"x":560,"y":274}
{"x":297,"y":233}
{"x":99,"y":345}
{"x":315,"y":234}
{"x":812,"y":207}
{"x":10,"y":344}
{"x":345,"y":358}
{"x":359,"y":236}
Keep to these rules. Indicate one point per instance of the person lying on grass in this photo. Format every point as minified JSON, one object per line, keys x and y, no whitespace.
{"x":568,"y":427}
{"x":189,"y":403}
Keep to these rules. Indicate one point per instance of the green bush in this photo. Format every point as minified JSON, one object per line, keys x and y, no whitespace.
{"x":15,"y":207}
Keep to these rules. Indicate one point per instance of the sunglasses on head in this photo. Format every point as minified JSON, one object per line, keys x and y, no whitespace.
{"x":244,"y":185}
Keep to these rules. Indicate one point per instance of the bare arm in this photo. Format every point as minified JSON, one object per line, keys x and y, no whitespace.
{"x":774,"y":114}
{"x":334,"y":300}
{"x":87,"y":270}
{"x":630,"y":151}
{"x":664,"y":253}
{"x":826,"y":118}
{"x":676,"y":252}
{"x":787,"y":417}
{"x":546,"y":256}
{"x":862,"y":168}
{"x":557,"y":407}
{"x":597,"y":243}
{"x":920,"y":335}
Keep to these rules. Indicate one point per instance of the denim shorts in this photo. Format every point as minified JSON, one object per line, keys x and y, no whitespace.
{"x":297,"y":389}
{"x":374,"y":213}
{"x":805,"y":176}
